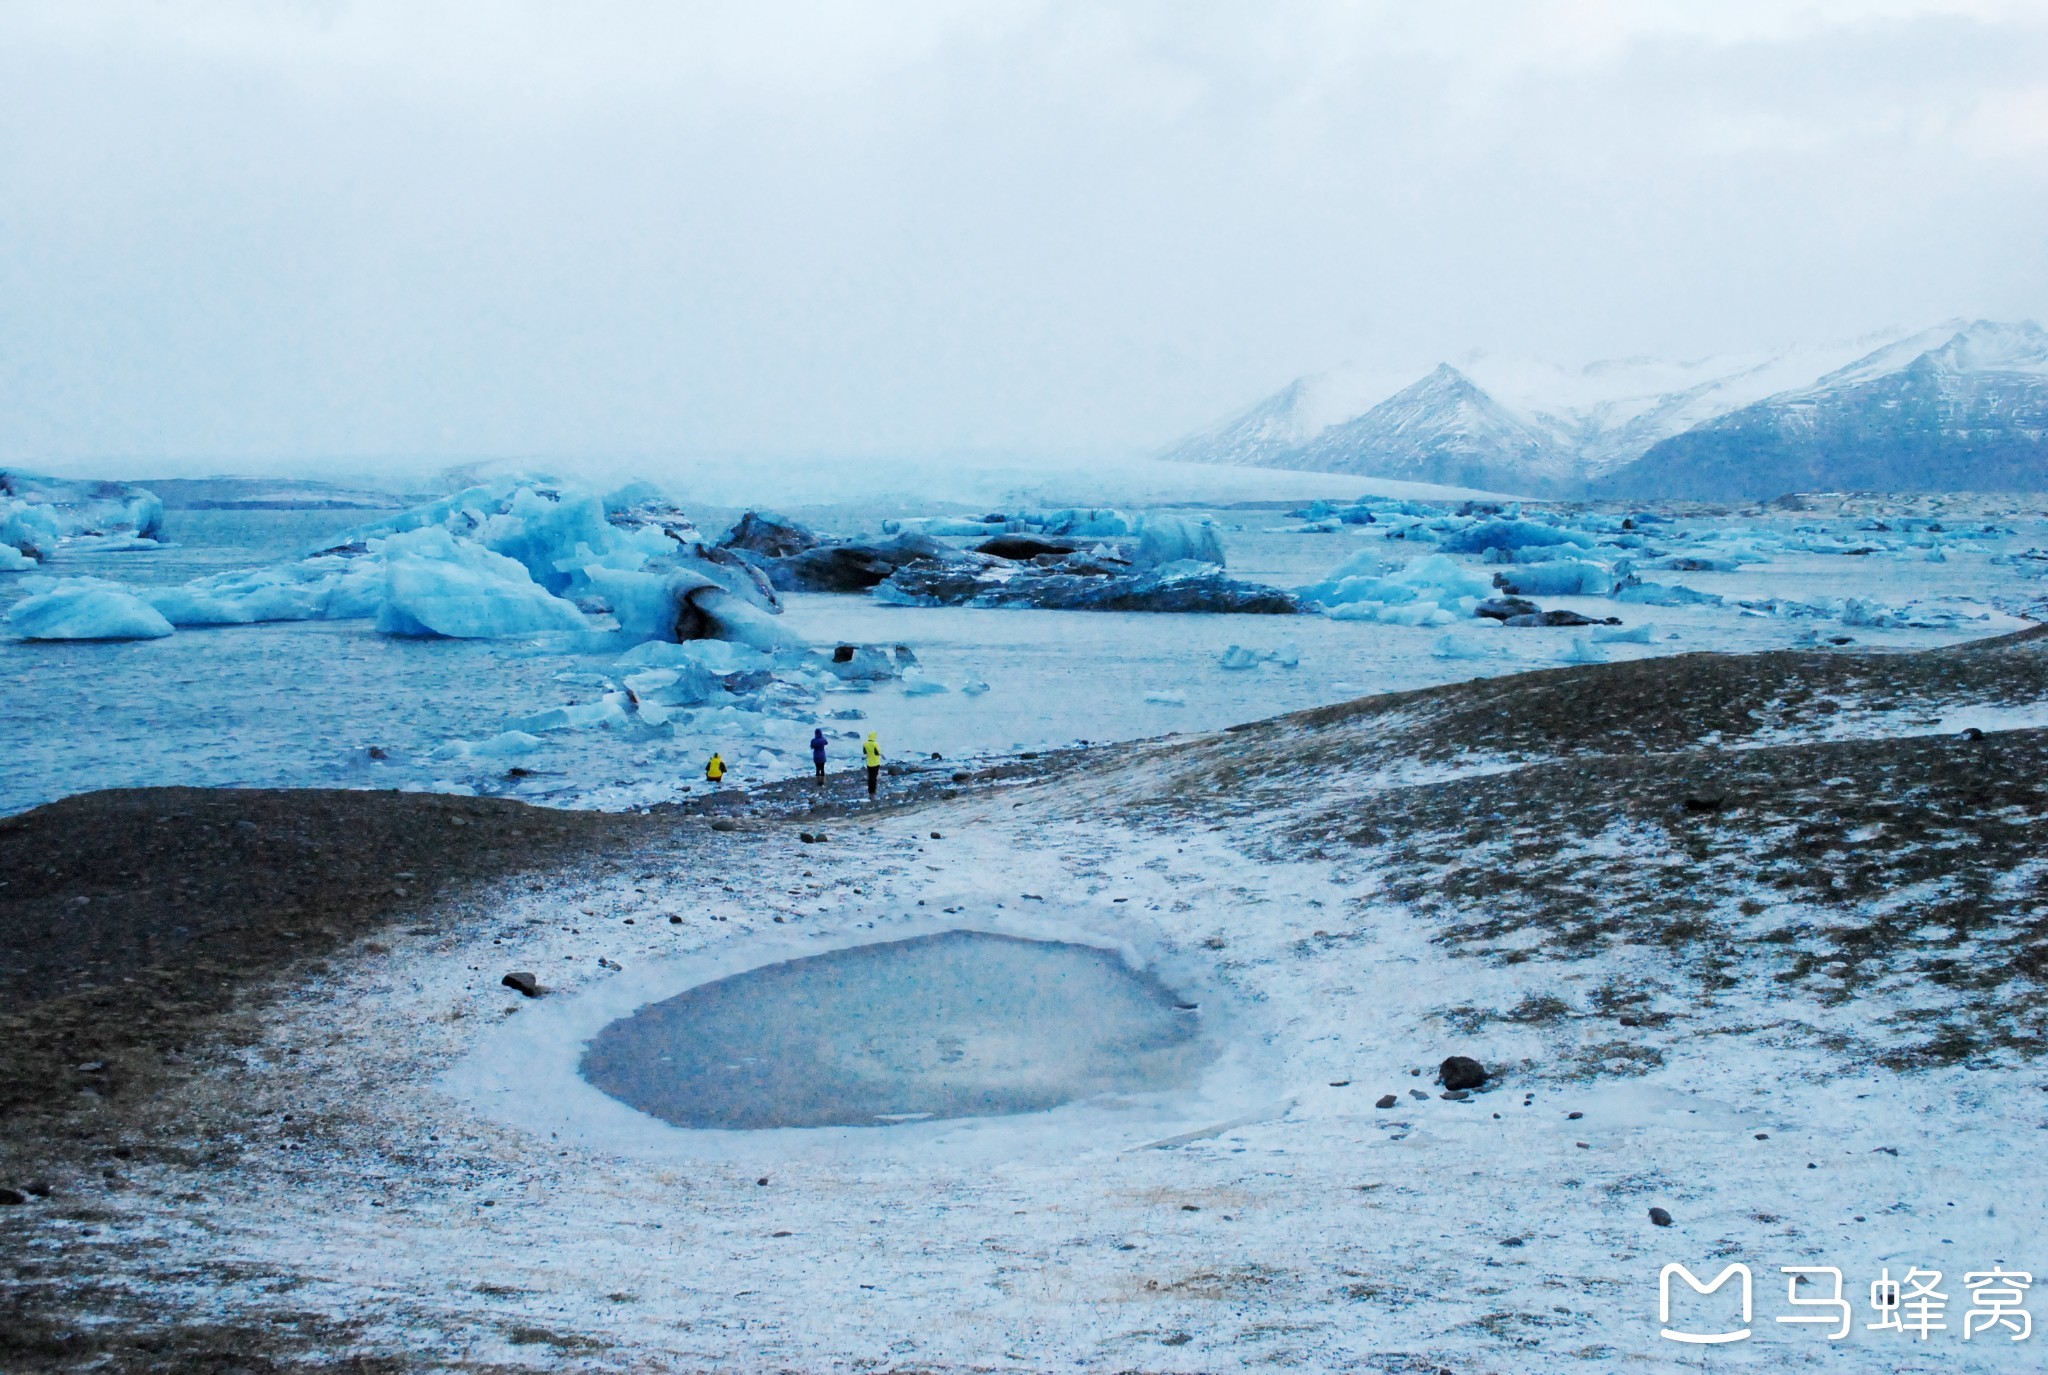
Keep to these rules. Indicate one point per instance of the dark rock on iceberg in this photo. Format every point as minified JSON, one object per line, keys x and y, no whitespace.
{"x":1503,"y":608}
{"x":1556,"y":618}
{"x":851,"y":567}
{"x":1055,"y":589}
{"x":769,"y":535}
{"x":1024,"y":548}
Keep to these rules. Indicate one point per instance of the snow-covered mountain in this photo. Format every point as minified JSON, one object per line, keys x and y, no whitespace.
{"x":1443,"y":429}
{"x":1963,"y":406}
{"x":1519,"y":425}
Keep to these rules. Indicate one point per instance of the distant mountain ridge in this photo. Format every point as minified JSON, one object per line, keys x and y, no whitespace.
{"x":1963,"y":405}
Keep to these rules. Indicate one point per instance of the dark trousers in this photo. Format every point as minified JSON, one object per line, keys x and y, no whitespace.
{"x":821,"y":771}
{"x":874,"y":777}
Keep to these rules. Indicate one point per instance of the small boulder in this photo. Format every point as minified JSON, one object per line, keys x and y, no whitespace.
{"x":1660,"y":1217}
{"x":1461,"y":1072}
{"x":12,"y":1198}
{"x":725,"y":824}
{"x":1387,"y":1100}
{"x":524,"y":982}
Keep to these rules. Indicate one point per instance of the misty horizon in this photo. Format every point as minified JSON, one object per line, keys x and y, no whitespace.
{"x":363,"y":235}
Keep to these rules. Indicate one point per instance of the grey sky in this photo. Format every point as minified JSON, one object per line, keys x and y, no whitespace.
{"x":244,"y":232}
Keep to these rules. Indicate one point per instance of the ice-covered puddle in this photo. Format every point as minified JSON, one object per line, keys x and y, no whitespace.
{"x":956,"y":1024}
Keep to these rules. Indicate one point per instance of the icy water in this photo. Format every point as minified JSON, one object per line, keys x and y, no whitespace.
{"x":959,"y":1024}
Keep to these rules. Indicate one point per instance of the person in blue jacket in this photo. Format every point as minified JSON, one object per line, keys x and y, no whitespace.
{"x":818,"y":753}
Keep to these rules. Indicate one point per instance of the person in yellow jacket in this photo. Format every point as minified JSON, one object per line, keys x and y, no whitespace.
{"x":714,"y":771}
{"x":871,"y":755}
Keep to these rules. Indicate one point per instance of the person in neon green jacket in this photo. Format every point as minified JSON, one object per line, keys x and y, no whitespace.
{"x":871,"y":754}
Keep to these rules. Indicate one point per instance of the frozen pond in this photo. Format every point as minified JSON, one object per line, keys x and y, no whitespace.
{"x":958,"y":1024}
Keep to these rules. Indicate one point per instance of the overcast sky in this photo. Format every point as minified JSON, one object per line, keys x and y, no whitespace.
{"x":246,"y":233}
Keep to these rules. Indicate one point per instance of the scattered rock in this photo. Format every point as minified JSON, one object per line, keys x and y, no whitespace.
{"x":1418,"y":1095}
{"x":1387,"y":1100}
{"x":1456,"y":1095}
{"x":1461,"y":1072}
{"x":675,"y":921}
{"x":937,"y":836}
{"x":725,"y":824}
{"x":12,"y":1198}
{"x":1573,"y":1116}
{"x":806,"y":837}
{"x":1660,"y":1217}
{"x":1973,"y":733}
{"x":524,"y":981}
{"x":1713,"y":803}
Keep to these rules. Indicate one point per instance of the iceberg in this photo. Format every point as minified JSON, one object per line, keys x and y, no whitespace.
{"x":64,"y":508}
{"x":87,"y":609}
{"x":1557,"y":578}
{"x":1434,"y":579}
{"x":1511,"y":534}
{"x":1466,"y":647}
{"x":1167,"y":538}
{"x":437,"y":585}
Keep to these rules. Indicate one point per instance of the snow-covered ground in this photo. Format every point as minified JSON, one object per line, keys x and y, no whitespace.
{"x":452,"y":1185}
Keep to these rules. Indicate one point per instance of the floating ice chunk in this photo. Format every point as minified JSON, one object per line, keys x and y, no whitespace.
{"x":1167,"y":699}
{"x":1511,"y":534}
{"x":719,"y":657}
{"x":974,"y":687}
{"x":1625,"y":634}
{"x":1661,"y":594}
{"x":435,"y":584}
{"x":293,"y":592}
{"x":1167,"y":537}
{"x":68,"y":508}
{"x":1584,"y":651}
{"x":915,"y":684}
{"x":1415,"y":613}
{"x":1466,"y":647}
{"x":32,"y":531}
{"x":862,"y":663}
{"x":87,"y":609}
{"x":511,"y":744}
{"x":13,"y":560}
{"x":1434,"y":578}
{"x":1237,"y":657}
{"x":684,"y":686}
{"x":1558,"y":578}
